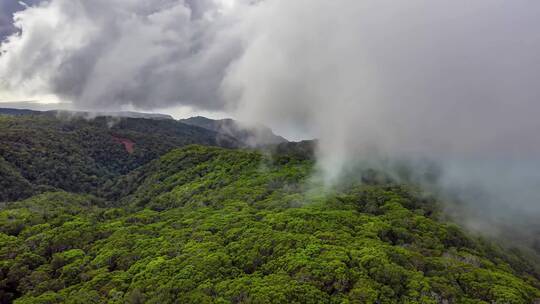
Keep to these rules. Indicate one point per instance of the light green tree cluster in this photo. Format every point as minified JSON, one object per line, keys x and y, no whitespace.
{"x":213,"y":225}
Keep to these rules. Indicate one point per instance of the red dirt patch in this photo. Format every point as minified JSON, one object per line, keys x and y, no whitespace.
{"x":128,"y":144}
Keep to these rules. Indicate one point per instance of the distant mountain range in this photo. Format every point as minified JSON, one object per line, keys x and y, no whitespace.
{"x":84,"y":114}
{"x":249,"y":136}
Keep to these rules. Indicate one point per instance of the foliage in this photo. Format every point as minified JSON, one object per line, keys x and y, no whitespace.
{"x":12,"y":183}
{"x":42,"y":152}
{"x":214,"y":225}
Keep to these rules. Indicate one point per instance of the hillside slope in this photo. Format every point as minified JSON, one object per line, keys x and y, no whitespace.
{"x":80,"y":155}
{"x":205,"y":224}
{"x":12,"y":183}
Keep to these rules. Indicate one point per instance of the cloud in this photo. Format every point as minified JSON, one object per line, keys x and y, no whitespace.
{"x":7,"y":9}
{"x":396,"y":74}
{"x":114,"y":53}
{"x":382,"y":82}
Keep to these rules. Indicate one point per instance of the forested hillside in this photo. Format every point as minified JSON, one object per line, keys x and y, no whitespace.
{"x":43,"y":152}
{"x":214,"y":225}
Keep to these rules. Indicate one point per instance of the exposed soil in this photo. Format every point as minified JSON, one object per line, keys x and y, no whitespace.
{"x":128,"y":144}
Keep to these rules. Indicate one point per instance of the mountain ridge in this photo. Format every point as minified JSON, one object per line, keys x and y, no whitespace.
{"x":253,"y":136}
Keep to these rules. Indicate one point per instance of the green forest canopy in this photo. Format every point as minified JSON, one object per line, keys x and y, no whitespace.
{"x":213,"y":225}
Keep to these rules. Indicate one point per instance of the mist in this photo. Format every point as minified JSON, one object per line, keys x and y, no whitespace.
{"x":455,"y":83}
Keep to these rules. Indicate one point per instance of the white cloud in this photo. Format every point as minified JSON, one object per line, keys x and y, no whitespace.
{"x":113,"y":53}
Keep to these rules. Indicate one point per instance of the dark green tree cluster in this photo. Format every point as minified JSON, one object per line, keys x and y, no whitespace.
{"x":44,"y":152}
{"x":12,"y":183}
{"x":214,"y":225}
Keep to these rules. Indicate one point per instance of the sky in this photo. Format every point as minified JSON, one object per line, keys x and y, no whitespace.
{"x":7,"y":28}
{"x":7,"y":8}
{"x":376,"y":81}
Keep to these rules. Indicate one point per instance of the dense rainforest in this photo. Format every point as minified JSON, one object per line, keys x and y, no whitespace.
{"x":155,"y":211}
{"x":42,"y":152}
